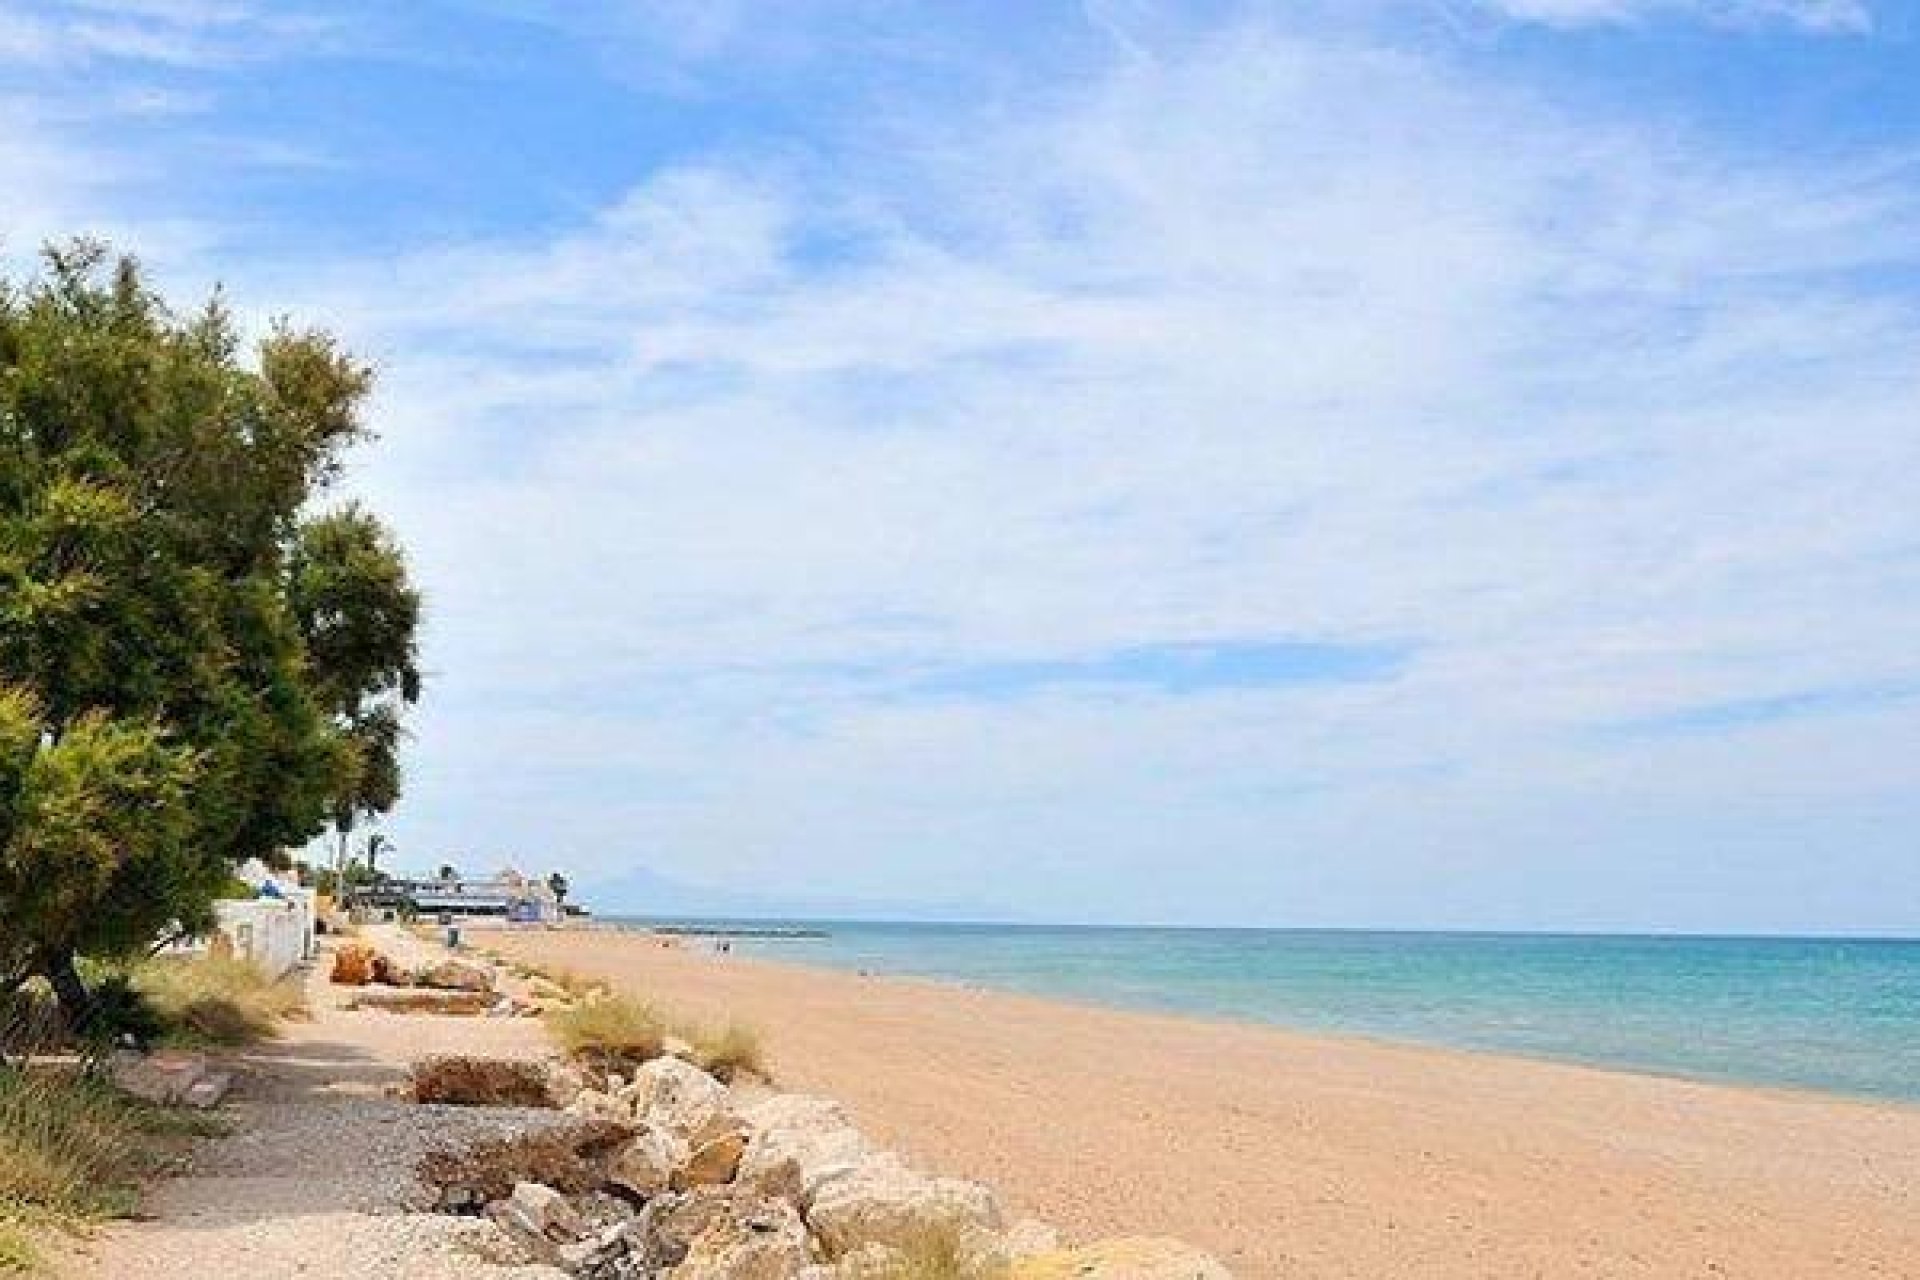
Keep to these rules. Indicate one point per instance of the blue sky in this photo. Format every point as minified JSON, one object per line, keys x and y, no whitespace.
{"x":1444,"y":463}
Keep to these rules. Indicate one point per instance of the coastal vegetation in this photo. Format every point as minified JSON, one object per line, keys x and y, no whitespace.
{"x":198,"y":665}
{"x":72,"y":1151}
{"x":610,"y":1031}
{"x":215,"y":1000}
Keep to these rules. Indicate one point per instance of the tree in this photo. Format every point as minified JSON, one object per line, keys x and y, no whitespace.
{"x":559,"y":886}
{"x":358,"y":614}
{"x":166,"y":709}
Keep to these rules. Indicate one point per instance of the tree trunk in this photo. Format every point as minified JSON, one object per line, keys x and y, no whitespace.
{"x":76,"y":1002}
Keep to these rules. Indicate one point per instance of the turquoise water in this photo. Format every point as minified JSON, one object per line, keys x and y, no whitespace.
{"x":1833,"y":1014}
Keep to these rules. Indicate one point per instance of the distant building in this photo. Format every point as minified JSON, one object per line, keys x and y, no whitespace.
{"x":506,"y":894}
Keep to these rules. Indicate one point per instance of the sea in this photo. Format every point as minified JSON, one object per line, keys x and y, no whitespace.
{"x":1840,"y":1015}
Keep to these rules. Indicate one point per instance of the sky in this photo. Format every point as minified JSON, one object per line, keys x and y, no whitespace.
{"x":1376,"y":463}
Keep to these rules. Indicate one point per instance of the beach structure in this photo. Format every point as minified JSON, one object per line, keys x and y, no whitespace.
{"x":274,"y":928}
{"x":507,"y":894}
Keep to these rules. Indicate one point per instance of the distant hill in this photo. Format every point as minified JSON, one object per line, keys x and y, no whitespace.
{"x":642,"y":891}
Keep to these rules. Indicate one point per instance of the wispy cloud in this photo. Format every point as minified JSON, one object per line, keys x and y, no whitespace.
{"x":1251,"y":447}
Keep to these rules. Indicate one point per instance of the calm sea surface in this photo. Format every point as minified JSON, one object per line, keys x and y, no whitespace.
{"x":1841,"y":1015}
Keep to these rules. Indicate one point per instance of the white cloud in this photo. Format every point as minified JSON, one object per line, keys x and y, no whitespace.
{"x":1264,"y":339}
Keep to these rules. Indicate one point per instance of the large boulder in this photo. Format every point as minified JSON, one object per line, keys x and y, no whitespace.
{"x":758,"y":1238}
{"x":455,"y":975}
{"x":1129,"y":1258}
{"x":677,"y":1096}
{"x":882,"y":1201}
{"x":713,"y":1163}
{"x":670,"y":1230}
{"x":645,"y":1165}
{"x":353,"y":965}
{"x":799,"y":1143}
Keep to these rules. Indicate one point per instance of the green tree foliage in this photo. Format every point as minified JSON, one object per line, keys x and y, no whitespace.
{"x":358,"y":614}
{"x":189,"y":674}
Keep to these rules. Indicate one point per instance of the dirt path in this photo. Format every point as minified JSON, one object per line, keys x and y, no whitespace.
{"x":1298,"y":1156}
{"x":315,"y":1180}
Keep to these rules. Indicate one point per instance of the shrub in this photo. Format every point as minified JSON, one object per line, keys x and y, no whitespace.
{"x":728,"y":1051}
{"x":71,"y":1150}
{"x":609,"y":1031}
{"x":489,"y":1082}
{"x":216,"y":1000}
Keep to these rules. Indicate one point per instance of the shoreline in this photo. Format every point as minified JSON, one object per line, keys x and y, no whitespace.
{"x":1319,"y":1154}
{"x":1783,"y":1089}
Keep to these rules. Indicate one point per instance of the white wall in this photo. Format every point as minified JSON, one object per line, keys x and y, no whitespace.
{"x":274,"y":933}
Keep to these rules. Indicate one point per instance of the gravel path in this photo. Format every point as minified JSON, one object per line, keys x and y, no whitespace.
{"x":316,"y":1181}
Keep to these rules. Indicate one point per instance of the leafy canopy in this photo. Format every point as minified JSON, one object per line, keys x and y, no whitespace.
{"x":191,"y":671}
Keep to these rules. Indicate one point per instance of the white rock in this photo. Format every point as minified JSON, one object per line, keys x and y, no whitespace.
{"x":763,"y":1240}
{"x":595,"y":1105}
{"x":799,"y":1143}
{"x":667,"y":1093}
{"x":881,"y":1201}
{"x":541,"y":1210}
{"x":645,"y":1164}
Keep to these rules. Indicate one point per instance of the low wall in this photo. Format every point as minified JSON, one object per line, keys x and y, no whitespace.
{"x":274,"y":933}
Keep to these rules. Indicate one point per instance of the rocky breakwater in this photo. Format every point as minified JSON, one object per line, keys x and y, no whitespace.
{"x":671,"y":1173}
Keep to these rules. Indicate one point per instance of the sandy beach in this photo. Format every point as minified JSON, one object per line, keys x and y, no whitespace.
{"x":1291,"y":1155}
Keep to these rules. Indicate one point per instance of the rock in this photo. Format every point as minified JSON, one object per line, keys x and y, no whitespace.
{"x":756,"y":1239}
{"x":881,"y":1201}
{"x":669,"y":1094}
{"x":353,"y":965}
{"x":208,"y":1091}
{"x":664,"y":1232}
{"x":388,"y":971}
{"x":798,"y":1143}
{"x":599,"y":1253}
{"x":469,"y":1081}
{"x":1130,"y":1258}
{"x":595,"y":1105}
{"x":539,"y":1210}
{"x":713,"y":1163}
{"x":165,"y":1078}
{"x":565,"y":1083}
{"x":455,"y":975}
{"x":645,"y":1165}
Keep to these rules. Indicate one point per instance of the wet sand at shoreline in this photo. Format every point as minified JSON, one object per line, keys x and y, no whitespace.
{"x":1298,"y":1155}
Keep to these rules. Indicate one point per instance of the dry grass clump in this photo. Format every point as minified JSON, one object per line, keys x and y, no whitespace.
{"x":481,"y":1082}
{"x":577,"y":985}
{"x":71,"y":1151}
{"x":728,"y":1051}
{"x":609,"y":1031}
{"x":216,"y":1000}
